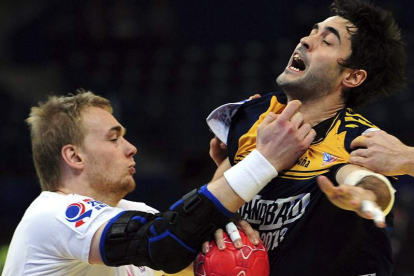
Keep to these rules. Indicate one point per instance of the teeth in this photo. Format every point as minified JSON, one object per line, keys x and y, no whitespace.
{"x":296,"y":56}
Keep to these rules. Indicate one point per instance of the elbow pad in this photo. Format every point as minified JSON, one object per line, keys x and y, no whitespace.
{"x":168,"y":241}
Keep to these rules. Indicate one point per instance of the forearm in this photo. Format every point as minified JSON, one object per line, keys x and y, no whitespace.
{"x":375,"y":183}
{"x":378,"y":187}
{"x":224,"y":166}
{"x":226,"y":195}
{"x":408,"y":160}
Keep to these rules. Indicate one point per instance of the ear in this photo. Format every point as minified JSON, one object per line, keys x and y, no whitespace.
{"x":354,"y":78}
{"x":72,"y":157}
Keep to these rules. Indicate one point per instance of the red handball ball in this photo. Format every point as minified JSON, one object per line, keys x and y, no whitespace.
{"x":250,"y":260}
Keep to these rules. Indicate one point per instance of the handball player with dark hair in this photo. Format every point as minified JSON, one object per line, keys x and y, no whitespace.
{"x":323,"y":215}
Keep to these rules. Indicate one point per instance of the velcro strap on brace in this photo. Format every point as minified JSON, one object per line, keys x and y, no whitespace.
{"x":191,"y":201}
{"x":124,"y":240}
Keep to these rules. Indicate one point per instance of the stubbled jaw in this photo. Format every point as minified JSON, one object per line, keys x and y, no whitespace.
{"x":297,"y":63}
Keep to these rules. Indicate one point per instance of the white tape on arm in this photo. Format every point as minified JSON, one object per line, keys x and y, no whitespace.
{"x":250,"y":176}
{"x":355,"y":177}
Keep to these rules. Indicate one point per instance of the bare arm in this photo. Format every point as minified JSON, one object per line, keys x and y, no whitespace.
{"x":370,"y":184}
{"x":224,"y":166}
{"x":382,"y":153}
{"x":351,"y":197}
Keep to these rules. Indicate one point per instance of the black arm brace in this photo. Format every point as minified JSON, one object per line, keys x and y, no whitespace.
{"x":167,"y":241}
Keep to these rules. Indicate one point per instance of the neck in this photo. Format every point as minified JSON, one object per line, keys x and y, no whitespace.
{"x":317,"y":110}
{"x":84,"y":190}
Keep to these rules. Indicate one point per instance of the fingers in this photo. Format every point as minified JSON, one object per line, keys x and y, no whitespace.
{"x":359,"y":142}
{"x":255,"y":96}
{"x":306,"y":130}
{"x":370,"y":131}
{"x":205,"y":247}
{"x":290,"y":113}
{"x":218,"y":235}
{"x":218,"y":151}
{"x":362,"y":141}
{"x":291,"y":109}
{"x":215,"y":142}
{"x":234,"y":234}
{"x":247,"y":229}
{"x":271,"y":117}
{"x":358,"y":160}
{"x":297,"y":120}
{"x":360,"y":153}
{"x":373,"y":211}
{"x":354,"y":199}
{"x":359,"y":157}
{"x":333,"y":193}
{"x":326,"y":186}
{"x":310,"y":137}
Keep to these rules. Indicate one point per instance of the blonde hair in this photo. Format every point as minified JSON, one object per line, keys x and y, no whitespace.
{"x":54,"y":124}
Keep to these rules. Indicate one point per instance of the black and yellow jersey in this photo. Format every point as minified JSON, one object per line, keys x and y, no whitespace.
{"x":304,"y":233}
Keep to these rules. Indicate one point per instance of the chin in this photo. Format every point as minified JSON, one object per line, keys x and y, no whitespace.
{"x":283,"y":79}
{"x":129,"y":186}
{"x":125,"y":187}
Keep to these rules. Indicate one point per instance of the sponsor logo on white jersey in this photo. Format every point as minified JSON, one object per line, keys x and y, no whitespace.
{"x":79,"y":215}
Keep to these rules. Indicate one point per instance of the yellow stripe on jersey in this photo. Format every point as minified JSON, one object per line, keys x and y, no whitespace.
{"x":351,"y":116}
{"x":351,"y":126}
{"x":353,"y":119}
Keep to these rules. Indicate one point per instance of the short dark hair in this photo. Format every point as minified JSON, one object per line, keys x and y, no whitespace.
{"x":377,"y":47}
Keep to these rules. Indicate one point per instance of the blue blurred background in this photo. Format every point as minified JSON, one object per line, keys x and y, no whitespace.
{"x":165,"y":65}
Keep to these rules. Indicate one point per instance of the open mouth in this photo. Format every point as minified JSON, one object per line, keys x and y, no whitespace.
{"x":297,"y":64}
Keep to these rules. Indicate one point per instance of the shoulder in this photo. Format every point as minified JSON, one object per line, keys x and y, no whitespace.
{"x":263,"y":103}
{"x":250,"y":112}
{"x":352,"y":125}
{"x":80,"y":213}
{"x":66,"y":214}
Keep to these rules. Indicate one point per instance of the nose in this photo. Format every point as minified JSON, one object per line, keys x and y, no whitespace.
{"x":131,"y":150}
{"x":305,"y":42}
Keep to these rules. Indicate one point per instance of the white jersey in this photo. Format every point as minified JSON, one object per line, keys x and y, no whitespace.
{"x":55,"y":234}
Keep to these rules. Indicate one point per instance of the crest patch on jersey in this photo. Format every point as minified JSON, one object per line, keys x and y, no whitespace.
{"x":79,"y":215}
{"x":328,"y":158}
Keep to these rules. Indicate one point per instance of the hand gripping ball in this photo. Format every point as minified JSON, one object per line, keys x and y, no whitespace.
{"x":250,"y":260}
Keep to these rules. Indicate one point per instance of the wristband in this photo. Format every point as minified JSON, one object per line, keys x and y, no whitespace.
{"x":248,"y":177}
{"x":356,"y":176}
